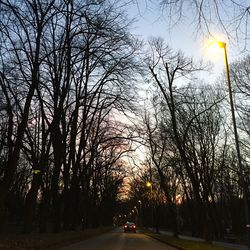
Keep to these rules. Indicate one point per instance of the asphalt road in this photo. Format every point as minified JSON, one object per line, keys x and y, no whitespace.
{"x":117,"y":240}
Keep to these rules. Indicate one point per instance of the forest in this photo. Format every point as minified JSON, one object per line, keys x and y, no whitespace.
{"x":82,"y":96}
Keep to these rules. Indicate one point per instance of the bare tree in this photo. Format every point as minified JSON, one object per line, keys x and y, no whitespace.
{"x":194,"y":119}
{"x":21,"y":43}
{"x":162,"y":153}
{"x":240,"y":75}
{"x":68,"y":69}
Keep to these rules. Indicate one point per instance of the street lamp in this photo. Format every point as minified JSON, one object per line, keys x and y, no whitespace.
{"x":136,"y":215}
{"x":149,"y":184}
{"x":222,"y":45}
{"x":140,"y":215}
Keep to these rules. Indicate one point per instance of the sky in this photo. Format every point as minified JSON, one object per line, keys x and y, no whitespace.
{"x":151,"y":22}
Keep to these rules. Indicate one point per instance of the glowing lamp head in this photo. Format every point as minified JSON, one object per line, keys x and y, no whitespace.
{"x":216,"y":45}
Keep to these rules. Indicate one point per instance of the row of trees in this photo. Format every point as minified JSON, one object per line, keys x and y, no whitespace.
{"x":67,"y":73}
{"x":191,"y":150}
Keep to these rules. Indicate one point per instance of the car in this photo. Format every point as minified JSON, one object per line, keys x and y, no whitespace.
{"x":129,"y":227}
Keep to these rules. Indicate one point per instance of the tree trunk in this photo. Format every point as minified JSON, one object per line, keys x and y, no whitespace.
{"x":30,"y":202}
{"x":44,"y":211}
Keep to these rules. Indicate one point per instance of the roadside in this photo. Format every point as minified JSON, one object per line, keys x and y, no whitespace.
{"x":48,"y":241}
{"x":191,"y":243}
{"x":217,"y":243}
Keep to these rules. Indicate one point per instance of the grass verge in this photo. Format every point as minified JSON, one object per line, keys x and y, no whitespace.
{"x":183,"y":244}
{"x":48,"y":241}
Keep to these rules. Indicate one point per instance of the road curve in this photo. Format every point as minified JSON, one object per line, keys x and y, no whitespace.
{"x":117,"y":240}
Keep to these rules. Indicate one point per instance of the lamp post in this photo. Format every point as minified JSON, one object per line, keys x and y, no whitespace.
{"x":140,"y":215}
{"x":149,"y":184}
{"x":136,"y":215}
{"x":237,"y":146}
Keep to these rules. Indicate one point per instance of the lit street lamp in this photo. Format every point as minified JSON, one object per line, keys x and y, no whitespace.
{"x":149,"y":184}
{"x":222,"y":45}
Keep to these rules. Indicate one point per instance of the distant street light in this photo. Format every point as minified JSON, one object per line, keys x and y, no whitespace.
{"x":149,"y":184}
{"x":140,"y":215}
{"x":136,"y":215}
{"x":222,"y":45}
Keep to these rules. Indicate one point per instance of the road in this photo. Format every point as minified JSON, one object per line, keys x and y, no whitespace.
{"x":117,"y":240}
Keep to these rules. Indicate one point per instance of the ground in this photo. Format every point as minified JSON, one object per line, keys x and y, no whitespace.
{"x":36,"y":241}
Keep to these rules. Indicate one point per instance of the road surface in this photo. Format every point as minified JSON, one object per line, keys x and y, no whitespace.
{"x":117,"y":240}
